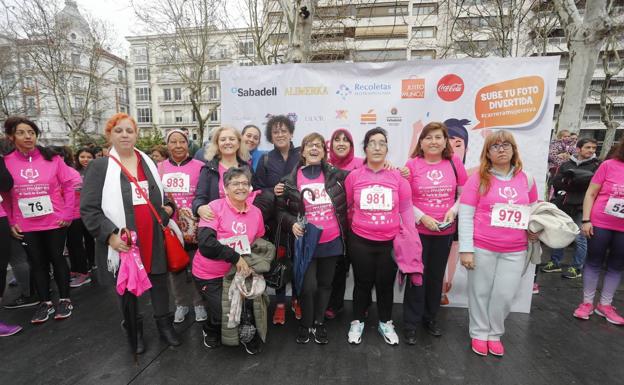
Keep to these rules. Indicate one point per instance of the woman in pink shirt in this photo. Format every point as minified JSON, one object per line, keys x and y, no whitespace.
{"x":378,"y":199}
{"x":436,"y":177}
{"x":493,"y":238}
{"x":223,"y":240}
{"x":40,"y":206}
{"x":603,"y":224}
{"x":180,"y":174}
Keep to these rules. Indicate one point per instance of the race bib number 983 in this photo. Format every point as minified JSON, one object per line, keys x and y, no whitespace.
{"x":510,"y":216}
{"x":176,"y":182}
{"x":615,"y":207}
{"x":376,"y":198}
{"x":35,"y":207}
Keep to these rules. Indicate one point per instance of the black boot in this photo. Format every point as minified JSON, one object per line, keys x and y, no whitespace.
{"x":140,"y":344}
{"x":166,"y":330}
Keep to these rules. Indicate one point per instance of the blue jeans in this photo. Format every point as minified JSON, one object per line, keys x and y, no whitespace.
{"x":580,"y":251}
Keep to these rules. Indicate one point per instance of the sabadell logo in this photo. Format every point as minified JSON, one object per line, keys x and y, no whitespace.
{"x":450,"y":87}
{"x":244,"y":92}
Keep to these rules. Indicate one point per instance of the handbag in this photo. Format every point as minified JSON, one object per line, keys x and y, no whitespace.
{"x":281,"y":269}
{"x":177,"y":258}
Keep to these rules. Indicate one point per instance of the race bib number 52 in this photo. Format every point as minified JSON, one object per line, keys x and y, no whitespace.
{"x":35,"y":207}
{"x":510,"y":216}
{"x":615,"y":207}
{"x":376,"y":198}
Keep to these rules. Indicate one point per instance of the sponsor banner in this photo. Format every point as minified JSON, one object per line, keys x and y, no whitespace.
{"x":475,"y":96}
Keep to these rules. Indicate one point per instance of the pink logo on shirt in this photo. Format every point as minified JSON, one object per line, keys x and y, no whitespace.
{"x":29,"y":174}
{"x":508,"y":193}
{"x":239,"y":227}
{"x":435,"y":176}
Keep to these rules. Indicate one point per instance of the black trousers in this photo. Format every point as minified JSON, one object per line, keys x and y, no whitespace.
{"x":5,"y":240}
{"x":81,"y":247}
{"x":44,"y":248}
{"x":211,"y":291}
{"x":421,"y":303}
{"x":158,"y":294}
{"x":317,"y":286}
{"x":339,"y":284}
{"x":373,"y":267}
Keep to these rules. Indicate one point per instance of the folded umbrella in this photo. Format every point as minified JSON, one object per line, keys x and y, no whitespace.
{"x":305,"y":246}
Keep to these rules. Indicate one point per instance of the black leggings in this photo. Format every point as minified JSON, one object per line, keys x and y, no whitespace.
{"x":373,"y":266}
{"x":5,"y":239}
{"x":316,"y":289}
{"x":421,"y":303}
{"x":80,"y":246}
{"x":43,"y":248}
{"x":339,"y":285}
{"x":211,"y":291}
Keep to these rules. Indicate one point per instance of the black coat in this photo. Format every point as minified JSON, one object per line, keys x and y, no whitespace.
{"x":272,"y":167}
{"x":208,"y":183}
{"x":289,"y":204}
{"x":570,"y":184}
{"x":6,"y":180}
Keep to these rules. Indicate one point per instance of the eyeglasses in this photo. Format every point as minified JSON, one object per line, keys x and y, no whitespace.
{"x":314,"y":145}
{"x":380,"y":145}
{"x":498,"y":146}
{"x":238,"y":184}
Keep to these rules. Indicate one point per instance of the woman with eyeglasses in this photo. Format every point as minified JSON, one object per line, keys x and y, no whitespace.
{"x":493,"y":238}
{"x":327,"y":210}
{"x":378,"y":200}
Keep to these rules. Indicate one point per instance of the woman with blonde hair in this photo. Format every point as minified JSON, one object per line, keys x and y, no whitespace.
{"x":493,"y":238}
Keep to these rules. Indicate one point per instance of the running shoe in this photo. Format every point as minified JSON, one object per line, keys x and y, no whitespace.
{"x":8,"y":330}
{"x":279,"y":316}
{"x":535,"y":288}
{"x":610,"y":314}
{"x":355,"y":332}
{"x":211,"y":341}
{"x":296,"y":308}
{"x":303,"y":335}
{"x":479,"y":346}
{"x":572,"y":273}
{"x":320,"y":334}
{"x":200,"y":313}
{"x":584,"y":310}
{"x":551,"y":267}
{"x":253,"y":347}
{"x":43,"y":313}
{"x":386,"y":329}
{"x":496,"y":348}
{"x":180,"y":314}
{"x":64,"y":309}
{"x":444,"y":300}
{"x":79,"y":280}
{"x":22,"y":301}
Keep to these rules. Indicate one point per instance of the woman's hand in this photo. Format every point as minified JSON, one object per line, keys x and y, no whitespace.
{"x":242,"y":267}
{"x":533,"y":237}
{"x":405,"y":172}
{"x":63,"y":223}
{"x":588,"y":229}
{"x":168,"y":210}
{"x":117,"y":243}
{"x":449,"y":216}
{"x":467,"y":260}
{"x":205,"y":213}
{"x":278,"y":189}
{"x":297,"y":230}
{"x":429,"y":223}
{"x":16,"y":232}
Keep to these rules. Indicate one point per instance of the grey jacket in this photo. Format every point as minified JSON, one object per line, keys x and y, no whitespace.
{"x":101,"y":227}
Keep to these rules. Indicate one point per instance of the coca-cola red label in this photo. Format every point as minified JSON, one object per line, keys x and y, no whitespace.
{"x":450,"y":87}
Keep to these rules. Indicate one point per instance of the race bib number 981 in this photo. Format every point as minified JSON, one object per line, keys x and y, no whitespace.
{"x":615,"y":207}
{"x":35,"y":207}
{"x":376,"y":198}
{"x":510,"y":216}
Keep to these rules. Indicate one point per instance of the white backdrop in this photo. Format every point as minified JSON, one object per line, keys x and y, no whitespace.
{"x":512,"y":93}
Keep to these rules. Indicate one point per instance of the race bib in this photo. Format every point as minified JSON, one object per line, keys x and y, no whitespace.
{"x":240,"y":244}
{"x":176,"y":182}
{"x":320,"y":195}
{"x":137,"y":199}
{"x":35,"y":207}
{"x":510,"y":216}
{"x":615,"y":207}
{"x":376,"y":198}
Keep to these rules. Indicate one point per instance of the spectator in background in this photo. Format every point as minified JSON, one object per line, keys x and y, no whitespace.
{"x":251,"y":137}
{"x":158,"y":153}
{"x":560,"y":151}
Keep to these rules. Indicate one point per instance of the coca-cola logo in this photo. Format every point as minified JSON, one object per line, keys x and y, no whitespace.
{"x":450,"y":87}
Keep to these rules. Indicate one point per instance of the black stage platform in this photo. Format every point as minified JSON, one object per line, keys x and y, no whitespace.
{"x":548,"y":346}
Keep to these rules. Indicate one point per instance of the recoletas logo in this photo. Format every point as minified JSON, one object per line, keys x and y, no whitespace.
{"x":247,"y":92}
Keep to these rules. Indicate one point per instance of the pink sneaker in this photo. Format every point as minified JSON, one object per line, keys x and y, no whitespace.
{"x":535,"y":288}
{"x":584,"y":310}
{"x":610,"y":314}
{"x":496,"y":348}
{"x":480,"y":347}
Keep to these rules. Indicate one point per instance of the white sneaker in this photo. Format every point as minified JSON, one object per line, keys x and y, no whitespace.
{"x":180,"y":314}
{"x":355,"y":332}
{"x":200,"y":313}
{"x":386,"y":329}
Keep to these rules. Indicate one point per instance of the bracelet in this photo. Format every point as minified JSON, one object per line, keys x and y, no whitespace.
{"x":586,"y":221}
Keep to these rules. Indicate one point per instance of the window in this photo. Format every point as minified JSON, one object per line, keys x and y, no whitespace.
{"x":141,"y":74}
{"x":194,"y":116}
{"x":214,"y":116}
{"x":178,"y":116}
{"x":144,"y":115}
{"x":383,"y":10}
{"x":143,"y":94}
{"x":79,"y":103}
{"x":423,"y":32}
{"x":177,"y":93}
{"x":245,"y":48}
{"x":380,"y":55}
{"x":246,"y":64}
{"x":212,"y":93}
{"x":30,"y":105}
{"x":424,"y":9}
{"x":423,"y":54}
{"x":120,"y":75}
{"x":140,"y":54}
{"x":212,"y":75}
{"x":167,"y":94}
{"x":29,"y":82}
{"x":75,"y":58}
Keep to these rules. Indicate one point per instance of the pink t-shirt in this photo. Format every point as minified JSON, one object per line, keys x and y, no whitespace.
{"x":433,"y":188}
{"x":222,"y":170}
{"x":610,"y":177}
{"x":43,"y":191}
{"x":516,"y":191}
{"x":229,"y":225}
{"x":78,"y":182}
{"x":375,"y":200}
{"x":319,"y":212}
{"x":180,"y":182}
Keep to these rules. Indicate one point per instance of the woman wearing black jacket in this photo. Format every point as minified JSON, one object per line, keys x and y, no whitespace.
{"x":326,"y":210}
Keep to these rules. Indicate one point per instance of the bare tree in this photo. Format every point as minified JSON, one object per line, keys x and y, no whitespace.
{"x":9,"y":82}
{"x":299,"y":16}
{"x":586,"y":35}
{"x":188,"y":43}
{"x":612,"y":65}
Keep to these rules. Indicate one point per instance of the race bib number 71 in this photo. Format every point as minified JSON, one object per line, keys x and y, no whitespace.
{"x":510,"y":216}
{"x":240,"y":244}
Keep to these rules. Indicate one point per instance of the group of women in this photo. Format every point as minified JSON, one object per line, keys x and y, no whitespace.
{"x":224,"y":205}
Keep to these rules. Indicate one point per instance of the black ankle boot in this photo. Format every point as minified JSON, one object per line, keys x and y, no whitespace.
{"x":140,"y":344}
{"x":166,"y":330}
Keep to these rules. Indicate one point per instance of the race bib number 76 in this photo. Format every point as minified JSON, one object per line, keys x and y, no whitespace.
{"x":35,"y":207}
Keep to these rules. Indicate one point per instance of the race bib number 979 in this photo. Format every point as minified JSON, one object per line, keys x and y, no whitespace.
{"x":376,"y":198}
{"x":510,"y":216}
{"x":35,"y":207}
{"x":615,"y":207}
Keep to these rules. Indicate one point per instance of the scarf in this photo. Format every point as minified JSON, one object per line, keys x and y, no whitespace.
{"x":238,"y":291}
{"x":334,"y":160}
{"x":112,"y":201}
